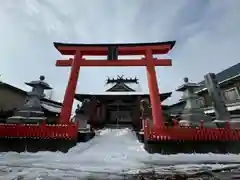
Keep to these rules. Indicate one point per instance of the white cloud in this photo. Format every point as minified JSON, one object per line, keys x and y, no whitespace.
{"x":207,"y":34}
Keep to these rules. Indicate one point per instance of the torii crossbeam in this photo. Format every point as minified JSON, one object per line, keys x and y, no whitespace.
{"x":112,"y":51}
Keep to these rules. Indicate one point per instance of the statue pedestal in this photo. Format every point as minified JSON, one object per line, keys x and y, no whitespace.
{"x":234,"y":122}
{"x":84,"y":130}
{"x":195,"y":117}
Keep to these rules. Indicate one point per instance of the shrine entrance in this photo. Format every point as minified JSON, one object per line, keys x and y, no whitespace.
{"x":113,"y":51}
{"x":119,"y":113}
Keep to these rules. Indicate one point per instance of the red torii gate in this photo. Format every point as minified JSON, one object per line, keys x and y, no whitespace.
{"x":147,"y":49}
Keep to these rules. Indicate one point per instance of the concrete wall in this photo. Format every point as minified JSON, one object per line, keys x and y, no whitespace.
{"x":10,"y":99}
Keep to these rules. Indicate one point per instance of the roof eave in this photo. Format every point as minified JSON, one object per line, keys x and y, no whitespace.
{"x":220,"y":83}
{"x":59,"y":45}
{"x":81,"y":97}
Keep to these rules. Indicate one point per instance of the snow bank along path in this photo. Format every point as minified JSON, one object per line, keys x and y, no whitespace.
{"x":113,"y":150}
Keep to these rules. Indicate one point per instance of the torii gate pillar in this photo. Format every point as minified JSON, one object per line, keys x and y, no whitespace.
{"x":71,"y":88}
{"x":147,"y":49}
{"x":157,"y":111}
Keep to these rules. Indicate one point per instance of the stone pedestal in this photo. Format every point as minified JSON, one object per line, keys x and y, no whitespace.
{"x":195,"y":117}
{"x":192,"y":111}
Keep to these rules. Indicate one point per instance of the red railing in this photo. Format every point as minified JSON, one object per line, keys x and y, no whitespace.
{"x":193,"y":134}
{"x":41,"y":131}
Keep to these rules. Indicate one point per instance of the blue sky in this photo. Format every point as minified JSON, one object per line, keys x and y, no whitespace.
{"x":206,"y":31}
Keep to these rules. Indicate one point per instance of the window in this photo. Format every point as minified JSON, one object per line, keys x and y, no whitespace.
{"x":231,"y":94}
{"x":201,"y":102}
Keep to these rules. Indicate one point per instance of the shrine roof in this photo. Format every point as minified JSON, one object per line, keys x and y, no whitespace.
{"x":59,"y":45}
{"x":24,"y":93}
{"x":56,"y":108}
{"x":224,"y":76}
{"x":114,"y":95}
{"x":187,"y":86}
{"x":228,"y":73}
{"x":13,"y":88}
{"x":128,"y":87}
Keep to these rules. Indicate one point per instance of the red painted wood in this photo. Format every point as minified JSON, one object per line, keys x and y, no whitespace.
{"x":148,"y":51}
{"x":64,"y":63}
{"x":103,"y":51}
{"x":60,"y":131}
{"x":157,"y":112}
{"x":140,"y":62}
{"x":195,"y":134}
{"x":70,"y":90}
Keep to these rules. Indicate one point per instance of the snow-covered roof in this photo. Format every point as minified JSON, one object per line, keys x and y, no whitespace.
{"x":119,"y":89}
{"x":134,"y":86}
{"x":51,"y":107}
{"x":113,"y":95}
{"x":230,"y":107}
{"x":116,"y":93}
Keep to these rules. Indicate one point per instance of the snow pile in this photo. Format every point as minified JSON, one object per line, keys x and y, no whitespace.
{"x":112,"y":151}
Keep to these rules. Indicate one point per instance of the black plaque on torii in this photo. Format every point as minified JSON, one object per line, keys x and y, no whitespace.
{"x":112,"y":53}
{"x":120,"y":79}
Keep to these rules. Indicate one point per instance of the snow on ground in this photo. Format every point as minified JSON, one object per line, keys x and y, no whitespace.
{"x":112,"y":151}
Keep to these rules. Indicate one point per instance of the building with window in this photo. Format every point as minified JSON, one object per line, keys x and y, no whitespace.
{"x":118,"y":105}
{"x":229,"y":82}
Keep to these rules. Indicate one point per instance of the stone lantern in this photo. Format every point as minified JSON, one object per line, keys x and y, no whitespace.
{"x":192,"y":112}
{"x":32,"y":112}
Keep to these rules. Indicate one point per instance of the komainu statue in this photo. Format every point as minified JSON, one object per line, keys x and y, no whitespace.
{"x":146,"y":113}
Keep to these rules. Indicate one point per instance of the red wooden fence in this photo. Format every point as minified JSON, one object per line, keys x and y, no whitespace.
{"x":41,"y":131}
{"x":188,"y":133}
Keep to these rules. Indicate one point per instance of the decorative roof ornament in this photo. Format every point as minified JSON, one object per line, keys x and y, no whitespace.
{"x":120,"y":79}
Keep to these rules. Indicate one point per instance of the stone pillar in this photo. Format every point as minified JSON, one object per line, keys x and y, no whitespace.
{"x":219,"y":106}
{"x":216,"y":95}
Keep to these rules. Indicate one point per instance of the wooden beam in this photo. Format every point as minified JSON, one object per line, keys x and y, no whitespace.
{"x":141,"y":62}
{"x":64,"y":62}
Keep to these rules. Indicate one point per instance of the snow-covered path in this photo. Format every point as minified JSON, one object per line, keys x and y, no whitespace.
{"x":113,"y":152}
